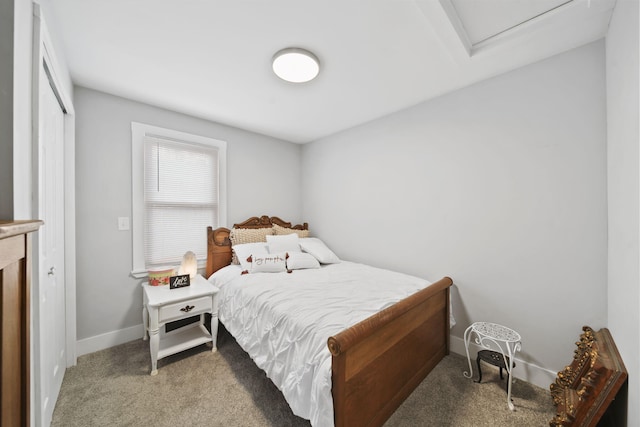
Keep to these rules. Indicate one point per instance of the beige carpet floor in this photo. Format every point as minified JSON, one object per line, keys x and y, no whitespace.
{"x":200,"y":388}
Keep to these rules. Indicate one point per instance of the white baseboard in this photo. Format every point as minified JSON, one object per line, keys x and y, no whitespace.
{"x":110,"y":339}
{"x":528,"y":372}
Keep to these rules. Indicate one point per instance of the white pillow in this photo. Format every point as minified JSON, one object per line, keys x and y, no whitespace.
{"x":283,"y":243}
{"x":240,"y":236}
{"x":268,"y":263}
{"x":319,"y":250}
{"x":300,"y":260}
{"x":245,"y":250}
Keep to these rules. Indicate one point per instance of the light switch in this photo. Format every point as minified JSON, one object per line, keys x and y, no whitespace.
{"x":123,"y":223}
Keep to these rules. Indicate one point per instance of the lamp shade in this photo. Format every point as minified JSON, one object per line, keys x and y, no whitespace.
{"x":189,"y":265}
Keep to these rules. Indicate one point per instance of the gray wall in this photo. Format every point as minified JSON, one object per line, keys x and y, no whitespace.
{"x":624,"y":191}
{"x":501,"y":185}
{"x":263,"y":177}
{"x":6,"y":109}
{"x":16,"y":20}
{"x":22,"y":115}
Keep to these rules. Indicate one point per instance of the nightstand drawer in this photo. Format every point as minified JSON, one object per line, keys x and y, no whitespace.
{"x":184,"y":309}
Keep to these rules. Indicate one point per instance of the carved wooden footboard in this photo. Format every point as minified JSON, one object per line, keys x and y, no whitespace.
{"x":592,"y":389}
{"x":377,"y":363}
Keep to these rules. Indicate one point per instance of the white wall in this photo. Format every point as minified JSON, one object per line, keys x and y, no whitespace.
{"x":501,"y":185}
{"x":622,"y":47}
{"x":263,"y":178}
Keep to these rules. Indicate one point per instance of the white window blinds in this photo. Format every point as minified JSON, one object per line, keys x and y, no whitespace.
{"x":178,"y":190}
{"x":181,"y":199}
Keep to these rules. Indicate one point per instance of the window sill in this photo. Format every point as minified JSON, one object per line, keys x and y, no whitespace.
{"x":142,"y":274}
{"x":139,"y":274}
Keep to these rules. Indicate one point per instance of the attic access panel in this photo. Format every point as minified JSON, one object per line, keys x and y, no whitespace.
{"x":484,"y":19}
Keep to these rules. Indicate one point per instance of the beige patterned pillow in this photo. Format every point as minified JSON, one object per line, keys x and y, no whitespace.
{"x":247,"y":235}
{"x":278,"y":230}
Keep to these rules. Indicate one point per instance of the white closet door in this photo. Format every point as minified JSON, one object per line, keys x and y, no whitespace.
{"x":49,"y":320}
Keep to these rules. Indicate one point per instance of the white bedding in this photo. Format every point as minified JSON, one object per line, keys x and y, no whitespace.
{"x":283,"y":321}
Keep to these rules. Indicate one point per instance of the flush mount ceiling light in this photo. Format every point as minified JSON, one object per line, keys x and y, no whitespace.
{"x":295,"y":65}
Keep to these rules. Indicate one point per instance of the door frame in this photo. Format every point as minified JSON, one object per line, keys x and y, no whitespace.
{"x":43,"y":52}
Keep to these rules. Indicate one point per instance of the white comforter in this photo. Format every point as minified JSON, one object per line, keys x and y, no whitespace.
{"x":283,"y":321}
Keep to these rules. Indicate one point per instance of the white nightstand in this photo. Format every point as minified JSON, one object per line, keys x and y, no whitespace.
{"x":162,"y":305}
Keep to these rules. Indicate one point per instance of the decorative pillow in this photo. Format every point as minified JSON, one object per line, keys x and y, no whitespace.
{"x":301,"y":260}
{"x":245,"y":250}
{"x":319,"y":250}
{"x":283,"y":243}
{"x":279,"y":231}
{"x":269,"y":263}
{"x":239,"y":236}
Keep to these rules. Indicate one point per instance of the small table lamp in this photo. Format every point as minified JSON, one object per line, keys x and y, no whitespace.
{"x":189,"y":265}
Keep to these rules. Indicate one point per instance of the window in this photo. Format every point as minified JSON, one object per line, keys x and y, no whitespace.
{"x":178,"y":189}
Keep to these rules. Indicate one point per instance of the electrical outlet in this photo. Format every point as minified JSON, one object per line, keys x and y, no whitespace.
{"x":123,"y":223}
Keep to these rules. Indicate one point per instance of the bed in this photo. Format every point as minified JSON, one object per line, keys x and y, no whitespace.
{"x":374,"y":364}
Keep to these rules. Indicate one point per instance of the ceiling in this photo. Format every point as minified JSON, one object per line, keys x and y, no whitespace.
{"x":212,"y":58}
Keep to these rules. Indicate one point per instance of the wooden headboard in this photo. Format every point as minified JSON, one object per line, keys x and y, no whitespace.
{"x":591,"y":391}
{"x":219,"y":244}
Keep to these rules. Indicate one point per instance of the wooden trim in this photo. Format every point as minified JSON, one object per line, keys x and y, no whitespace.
{"x":13,"y":228}
{"x":265,"y":222}
{"x":15,"y":318}
{"x":26,"y":325}
{"x":218,"y":249}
